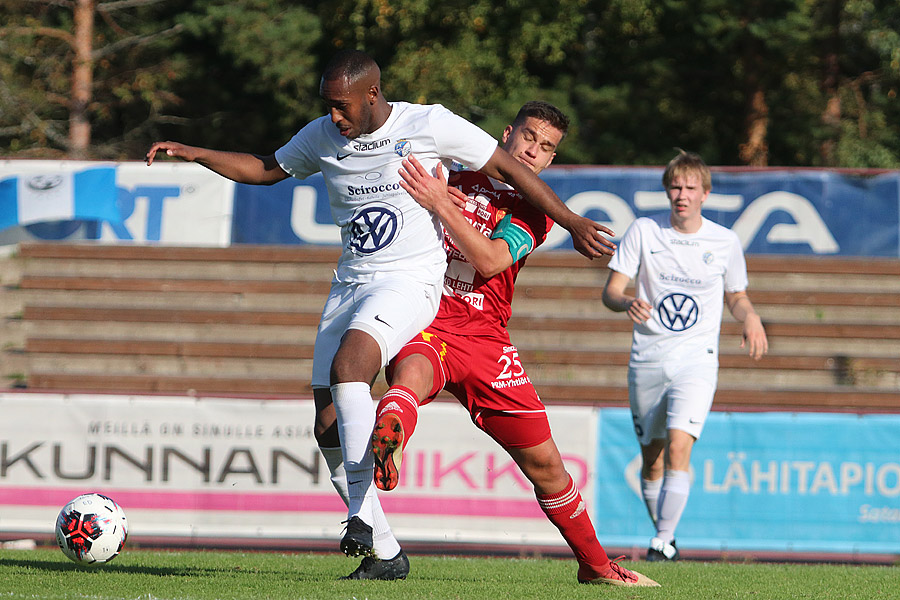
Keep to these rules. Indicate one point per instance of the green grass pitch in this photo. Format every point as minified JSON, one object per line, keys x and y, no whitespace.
{"x":199,"y":575}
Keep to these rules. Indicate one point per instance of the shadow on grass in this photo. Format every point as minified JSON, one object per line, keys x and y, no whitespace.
{"x":51,"y":566}
{"x":58,"y":566}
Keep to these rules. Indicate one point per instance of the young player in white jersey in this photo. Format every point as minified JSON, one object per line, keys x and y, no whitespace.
{"x":388,"y":281}
{"x":683,"y":263}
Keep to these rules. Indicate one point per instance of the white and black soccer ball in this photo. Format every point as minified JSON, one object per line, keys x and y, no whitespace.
{"x":91,"y":529}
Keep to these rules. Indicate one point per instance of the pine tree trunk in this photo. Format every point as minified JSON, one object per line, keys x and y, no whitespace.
{"x":755,"y":151}
{"x":82,"y":80}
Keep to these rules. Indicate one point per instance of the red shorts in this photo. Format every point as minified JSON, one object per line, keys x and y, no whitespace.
{"x":485,"y":375}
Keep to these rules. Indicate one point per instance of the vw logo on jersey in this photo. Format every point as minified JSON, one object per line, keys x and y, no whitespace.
{"x":403,"y":148}
{"x":374,"y":227}
{"x":678,"y":312}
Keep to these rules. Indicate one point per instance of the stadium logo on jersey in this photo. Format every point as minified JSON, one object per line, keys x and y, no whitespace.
{"x":366,"y":146}
{"x":403,"y":148}
{"x":374,"y":228}
{"x":678,"y":312}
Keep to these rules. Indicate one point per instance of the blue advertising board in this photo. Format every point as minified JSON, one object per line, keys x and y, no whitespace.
{"x":773,"y":212}
{"x":805,"y":482}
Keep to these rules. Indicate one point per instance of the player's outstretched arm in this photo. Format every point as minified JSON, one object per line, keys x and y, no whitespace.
{"x":753,"y":336}
{"x":616,"y":300}
{"x":237,"y":166}
{"x":586,"y":234}
{"x":488,"y":256}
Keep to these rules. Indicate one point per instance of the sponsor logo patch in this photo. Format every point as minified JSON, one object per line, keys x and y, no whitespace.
{"x":678,"y":311}
{"x":374,"y":227}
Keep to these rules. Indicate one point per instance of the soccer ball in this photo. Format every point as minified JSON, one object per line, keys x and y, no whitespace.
{"x":91,"y":529}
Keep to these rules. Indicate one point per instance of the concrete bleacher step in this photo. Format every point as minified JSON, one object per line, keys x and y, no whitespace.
{"x":283,"y":295}
{"x":168,"y":366}
{"x":242,"y":320}
{"x":179,"y":332}
{"x":100,"y":298}
{"x":541,"y":373}
{"x":167,"y":357}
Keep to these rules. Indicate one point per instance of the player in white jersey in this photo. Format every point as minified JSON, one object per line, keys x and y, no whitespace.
{"x":388,"y":282}
{"x":683,"y":263}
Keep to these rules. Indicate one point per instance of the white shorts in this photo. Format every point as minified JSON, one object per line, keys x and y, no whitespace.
{"x":391,"y":308}
{"x":673,"y":395}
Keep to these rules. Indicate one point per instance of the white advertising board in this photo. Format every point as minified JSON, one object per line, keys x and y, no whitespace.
{"x":176,"y":204}
{"x":185,"y":467}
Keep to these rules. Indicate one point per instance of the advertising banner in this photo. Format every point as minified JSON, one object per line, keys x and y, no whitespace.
{"x":766,"y":481}
{"x":775,"y":211}
{"x":178,"y":204}
{"x":250,"y":469}
{"x":231,"y":468}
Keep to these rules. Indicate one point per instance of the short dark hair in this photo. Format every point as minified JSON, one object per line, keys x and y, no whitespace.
{"x":543,"y":111}
{"x":687,"y":163}
{"x":352,"y":64}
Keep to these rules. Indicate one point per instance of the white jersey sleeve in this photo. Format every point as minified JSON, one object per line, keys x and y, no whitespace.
{"x":627,"y":257}
{"x":300,"y":157}
{"x":736,"y":272}
{"x":460,"y":140}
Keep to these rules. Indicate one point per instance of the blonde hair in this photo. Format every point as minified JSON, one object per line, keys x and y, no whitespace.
{"x":687,"y":163}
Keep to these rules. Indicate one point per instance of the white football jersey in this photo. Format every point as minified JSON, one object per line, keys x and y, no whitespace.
{"x":684,"y":277}
{"x":382,"y":228}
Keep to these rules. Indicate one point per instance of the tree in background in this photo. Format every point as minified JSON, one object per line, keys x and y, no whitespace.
{"x":253,"y":75}
{"x":81,"y":78}
{"x":775,"y":82}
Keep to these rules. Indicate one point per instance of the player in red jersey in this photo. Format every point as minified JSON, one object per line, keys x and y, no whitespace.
{"x":467,"y":350}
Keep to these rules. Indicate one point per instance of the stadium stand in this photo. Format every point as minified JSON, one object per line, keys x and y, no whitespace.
{"x":242,"y":320}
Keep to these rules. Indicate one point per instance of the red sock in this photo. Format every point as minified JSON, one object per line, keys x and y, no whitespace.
{"x":402,"y":402}
{"x":567,"y":511}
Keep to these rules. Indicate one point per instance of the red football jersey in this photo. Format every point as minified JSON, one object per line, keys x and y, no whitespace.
{"x":472,"y":304}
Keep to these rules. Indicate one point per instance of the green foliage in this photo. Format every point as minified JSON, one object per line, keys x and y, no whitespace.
{"x":816,"y":80}
{"x":254,"y":74}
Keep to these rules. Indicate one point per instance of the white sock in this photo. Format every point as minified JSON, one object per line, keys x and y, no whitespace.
{"x":356,"y":420}
{"x":335,"y":461}
{"x":385,"y":544}
{"x":673,"y":498}
{"x":650,"y":491}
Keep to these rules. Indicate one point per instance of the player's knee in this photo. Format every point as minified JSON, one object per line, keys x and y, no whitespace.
{"x":541,"y":464}
{"x":358,"y":358}
{"x":415,"y":373}
{"x":549,"y":478}
{"x":678,"y":456}
{"x":344,"y":369}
